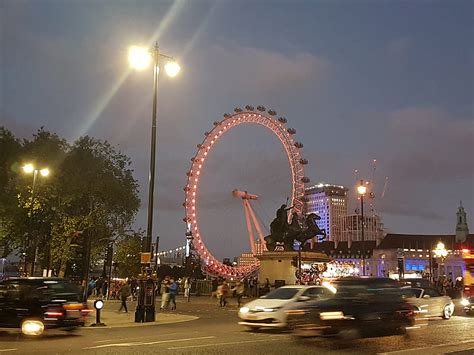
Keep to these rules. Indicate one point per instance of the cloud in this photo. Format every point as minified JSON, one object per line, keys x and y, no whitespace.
{"x":431,"y":144}
{"x":262,"y":72}
{"x":399,"y":47}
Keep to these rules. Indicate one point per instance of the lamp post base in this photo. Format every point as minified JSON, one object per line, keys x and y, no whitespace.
{"x":145,"y":311}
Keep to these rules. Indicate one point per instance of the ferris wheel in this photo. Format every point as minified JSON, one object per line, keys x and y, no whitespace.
{"x":292,"y":148}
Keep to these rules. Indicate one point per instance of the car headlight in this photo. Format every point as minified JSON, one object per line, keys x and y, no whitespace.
{"x":271,"y":309}
{"x":32,"y":327}
{"x":244,"y":310}
{"x":331,"y":315}
{"x":465,"y":302}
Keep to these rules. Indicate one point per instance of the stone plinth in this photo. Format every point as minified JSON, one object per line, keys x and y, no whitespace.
{"x":276,"y":265}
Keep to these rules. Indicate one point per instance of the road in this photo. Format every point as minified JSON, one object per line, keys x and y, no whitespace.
{"x":216,"y":332}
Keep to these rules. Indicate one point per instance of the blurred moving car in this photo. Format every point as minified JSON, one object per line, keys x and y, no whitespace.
{"x":430,"y":302}
{"x":359,"y":308}
{"x":36,"y":304}
{"x":269,"y":310}
{"x":468,"y":305}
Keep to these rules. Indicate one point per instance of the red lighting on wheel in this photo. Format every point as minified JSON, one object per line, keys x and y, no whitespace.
{"x":297,"y":175}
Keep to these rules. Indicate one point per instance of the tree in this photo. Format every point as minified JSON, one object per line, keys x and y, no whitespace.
{"x":91,"y":190}
{"x":98,"y":195}
{"x":10,"y":148}
{"x":127,"y":256}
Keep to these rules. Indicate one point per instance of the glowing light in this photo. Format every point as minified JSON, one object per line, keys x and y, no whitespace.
{"x":361,"y":190}
{"x":139,"y":57}
{"x":172,"y":69}
{"x":28,"y":168}
{"x":44,"y":172}
{"x":32,"y":327}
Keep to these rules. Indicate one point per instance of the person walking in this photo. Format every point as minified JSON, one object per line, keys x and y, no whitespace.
{"x":239,"y":290}
{"x":125,"y":292}
{"x":173,"y":291}
{"x":165,"y":293}
{"x":215,"y":284}
{"x":222,"y":291}
{"x":187,"y":288}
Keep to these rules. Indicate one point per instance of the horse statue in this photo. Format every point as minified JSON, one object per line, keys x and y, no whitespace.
{"x":283,"y":232}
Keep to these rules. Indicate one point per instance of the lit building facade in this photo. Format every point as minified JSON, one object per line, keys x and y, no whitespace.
{"x":330,"y":203}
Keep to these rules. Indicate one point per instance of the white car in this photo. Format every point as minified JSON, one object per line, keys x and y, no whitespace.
{"x":269,"y":311}
{"x":430,"y":302}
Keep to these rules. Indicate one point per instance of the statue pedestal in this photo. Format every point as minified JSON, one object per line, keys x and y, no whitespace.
{"x":277,"y":265}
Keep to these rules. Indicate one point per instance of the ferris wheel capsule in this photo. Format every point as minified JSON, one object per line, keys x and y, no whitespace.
{"x":272,"y":112}
{"x":299,"y":145}
{"x":237,"y":110}
{"x":282,"y":120}
{"x":291,"y":130}
{"x":261,"y":108}
{"x":249,"y":108}
{"x":303,"y":161}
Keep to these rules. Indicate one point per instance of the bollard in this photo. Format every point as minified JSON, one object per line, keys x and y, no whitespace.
{"x":98,"y":305}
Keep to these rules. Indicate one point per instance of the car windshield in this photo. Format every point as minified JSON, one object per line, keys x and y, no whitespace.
{"x":412,"y":292}
{"x":58,"y":287}
{"x":281,"y":294}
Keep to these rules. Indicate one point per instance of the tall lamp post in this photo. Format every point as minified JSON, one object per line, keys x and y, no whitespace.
{"x":361,"y":190}
{"x":44,"y":172}
{"x":441,"y":253}
{"x":140,"y":58}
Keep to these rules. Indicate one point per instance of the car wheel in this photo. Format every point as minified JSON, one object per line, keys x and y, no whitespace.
{"x":254,"y":329}
{"x":446,"y":312}
{"x":32,"y":327}
{"x":349,"y":334}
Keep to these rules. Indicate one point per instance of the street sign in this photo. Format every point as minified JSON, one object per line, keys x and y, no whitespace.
{"x":145,"y":258}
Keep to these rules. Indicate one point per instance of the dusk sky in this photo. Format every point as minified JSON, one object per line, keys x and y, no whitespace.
{"x":358,"y":80}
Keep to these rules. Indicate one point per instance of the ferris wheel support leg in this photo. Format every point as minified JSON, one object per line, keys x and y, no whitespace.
{"x":257,"y":226}
{"x":249,"y":228}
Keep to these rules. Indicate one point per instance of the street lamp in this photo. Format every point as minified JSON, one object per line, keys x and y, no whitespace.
{"x":361,"y":190}
{"x":441,"y":253}
{"x":140,"y":58}
{"x":44,"y":172}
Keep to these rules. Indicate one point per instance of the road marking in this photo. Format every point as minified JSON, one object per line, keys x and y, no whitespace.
{"x":5,"y":350}
{"x":137,"y":338}
{"x":428,"y":347}
{"x":145,"y":343}
{"x":217,"y":344}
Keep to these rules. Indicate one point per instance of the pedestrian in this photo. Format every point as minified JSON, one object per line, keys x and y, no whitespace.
{"x":165,"y":293}
{"x":98,"y":286}
{"x":91,"y":287}
{"x":215,"y":284}
{"x":125,"y":292}
{"x":266,"y":286}
{"x":239,"y":290}
{"x":187,"y":288}
{"x":222,"y":291}
{"x":105,"y":289}
{"x":173,"y":291}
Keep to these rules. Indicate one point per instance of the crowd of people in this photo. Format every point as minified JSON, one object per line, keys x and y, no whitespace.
{"x":447,"y":286}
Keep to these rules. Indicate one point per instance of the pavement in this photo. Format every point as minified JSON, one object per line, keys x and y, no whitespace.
{"x":112,"y":318}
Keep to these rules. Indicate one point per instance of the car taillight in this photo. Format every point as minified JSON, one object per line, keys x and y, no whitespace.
{"x":54,"y":314}
{"x":86,"y":311}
